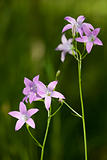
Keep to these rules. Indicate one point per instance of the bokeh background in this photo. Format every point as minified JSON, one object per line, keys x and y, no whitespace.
{"x":30,"y":30}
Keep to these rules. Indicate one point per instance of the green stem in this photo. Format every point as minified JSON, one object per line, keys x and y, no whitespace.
{"x":82,"y":107}
{"x":72,"y":109}
{"x":27,"y":126}
{"x":46,"y":133}
{"x":56,"y":110}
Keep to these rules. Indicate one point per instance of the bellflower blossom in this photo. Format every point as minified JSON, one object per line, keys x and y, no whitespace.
{"x":30,"y":91}
{"x":66,"y":47}
{"x":23,"y":116}
{"x":90,"y":39}
{"x":49,"y":92}
{"x":76,"y":25}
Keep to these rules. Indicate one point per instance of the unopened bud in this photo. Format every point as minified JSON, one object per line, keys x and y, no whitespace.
{"x":58,"y":73}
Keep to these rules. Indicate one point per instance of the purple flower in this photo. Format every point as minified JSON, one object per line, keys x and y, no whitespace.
{"x":65,"y":46}
{"x":49,"y":92}
{"x":30,"y":91}
{"x":23,"y":116}
{"x":90,"y":39}
{"x":76,"y":25}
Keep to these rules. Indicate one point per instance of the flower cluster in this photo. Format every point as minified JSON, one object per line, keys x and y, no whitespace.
{"x":34,"y":90}
{"x":88,"y":36}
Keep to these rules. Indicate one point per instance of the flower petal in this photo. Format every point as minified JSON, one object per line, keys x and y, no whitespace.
{"x":22,"y":108}
{"x":41,"y":89}
{"x":52,"y":85}
{"x":80,"y":19}
{"x":63,"y":54}
{"x":19,"y":124}
{"x":31,"y":122}
{"x":25,"y":99}
{"x":96,"y":31}
{"x":70,"y":19}
{"x":36,"y":78}
{"x":82,"y":39}
{"x":60,"y":47}
{"x":89,"y":46}
{"x":27,"y":82}
{"x":26,"y":90}
{"x":56,"y":94}
{"x":47,"y":102}
{"x":80,"y":30}
{"x":86,"y":30}
{"x":32,"y":96}
{"x":15,"y":114}
{"x":66,"y":27}
{"x":89,"y":25}
{"x":32,"y":111}
{"x":63,"y":39}
{"x":98,"y":41}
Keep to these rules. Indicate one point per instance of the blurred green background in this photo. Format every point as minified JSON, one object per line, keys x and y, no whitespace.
{"x":30,"y":30}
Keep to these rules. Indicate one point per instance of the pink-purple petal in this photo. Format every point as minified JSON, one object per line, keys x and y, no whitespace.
{"x":63,"y":54}
{"x":36,"y":78}
{"x":47,"y":102}
{"x":15,"y":114}
{"x":89,"y":46}
{"x":80,"y":31}
{"x":67,"y":27}
{"x":41,"y":89}
{"x":60,"y":47}
{"x":63,"y":39}
{"x":82,"y":39}
{"x":19,"y":124}
{"x":70,"y":19}
{"x":86,"y":30}
{"x":88,"y":25}
{"x":25,"y":99}
{"x":32,"y":111}
{"x":22,"y":108}
{"x":27,"y":82}
{"x":32,"y":96}
{"x":26,"y":90}
{"x":96,"y":31}
{"x":31,"y":122}
{"x":80,"y":19}
{"x":98,"y":41}
{"x":56,"y":94}
{"x":52,"y":85}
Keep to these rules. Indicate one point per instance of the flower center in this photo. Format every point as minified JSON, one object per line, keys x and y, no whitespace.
{"x":24,"y":117}
{"x":91,"y":38}
{"x":48,"y":92}
{"x":33,"y":88}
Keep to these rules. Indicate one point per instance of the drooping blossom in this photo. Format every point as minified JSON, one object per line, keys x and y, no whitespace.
{"x":76,"y":25}
{"x":23,"y":116}
{"x":30,"y":91}
{"x":49,"y":92}
{"x":90,"y":39}
{"x":66,"y":47}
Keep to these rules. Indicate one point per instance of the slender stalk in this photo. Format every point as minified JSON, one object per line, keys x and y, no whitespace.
{"x":56,"y":110}
{"x":82,"y":107}
{"x":72,"y":109}
{"x":46,"y":133}
{"x":27,"y":126}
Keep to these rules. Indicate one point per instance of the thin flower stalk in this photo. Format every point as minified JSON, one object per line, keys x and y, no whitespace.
{"x":82,"y":107}
{"x":46,"y":133}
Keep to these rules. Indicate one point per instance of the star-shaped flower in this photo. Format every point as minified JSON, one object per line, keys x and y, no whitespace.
{"x":23,"y":116}
{"x":76,"y":25}
{"x":66,"y":47}
{"x":90,"y":39}
{"x":30,"y":91}
{"x":49,"y":92}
